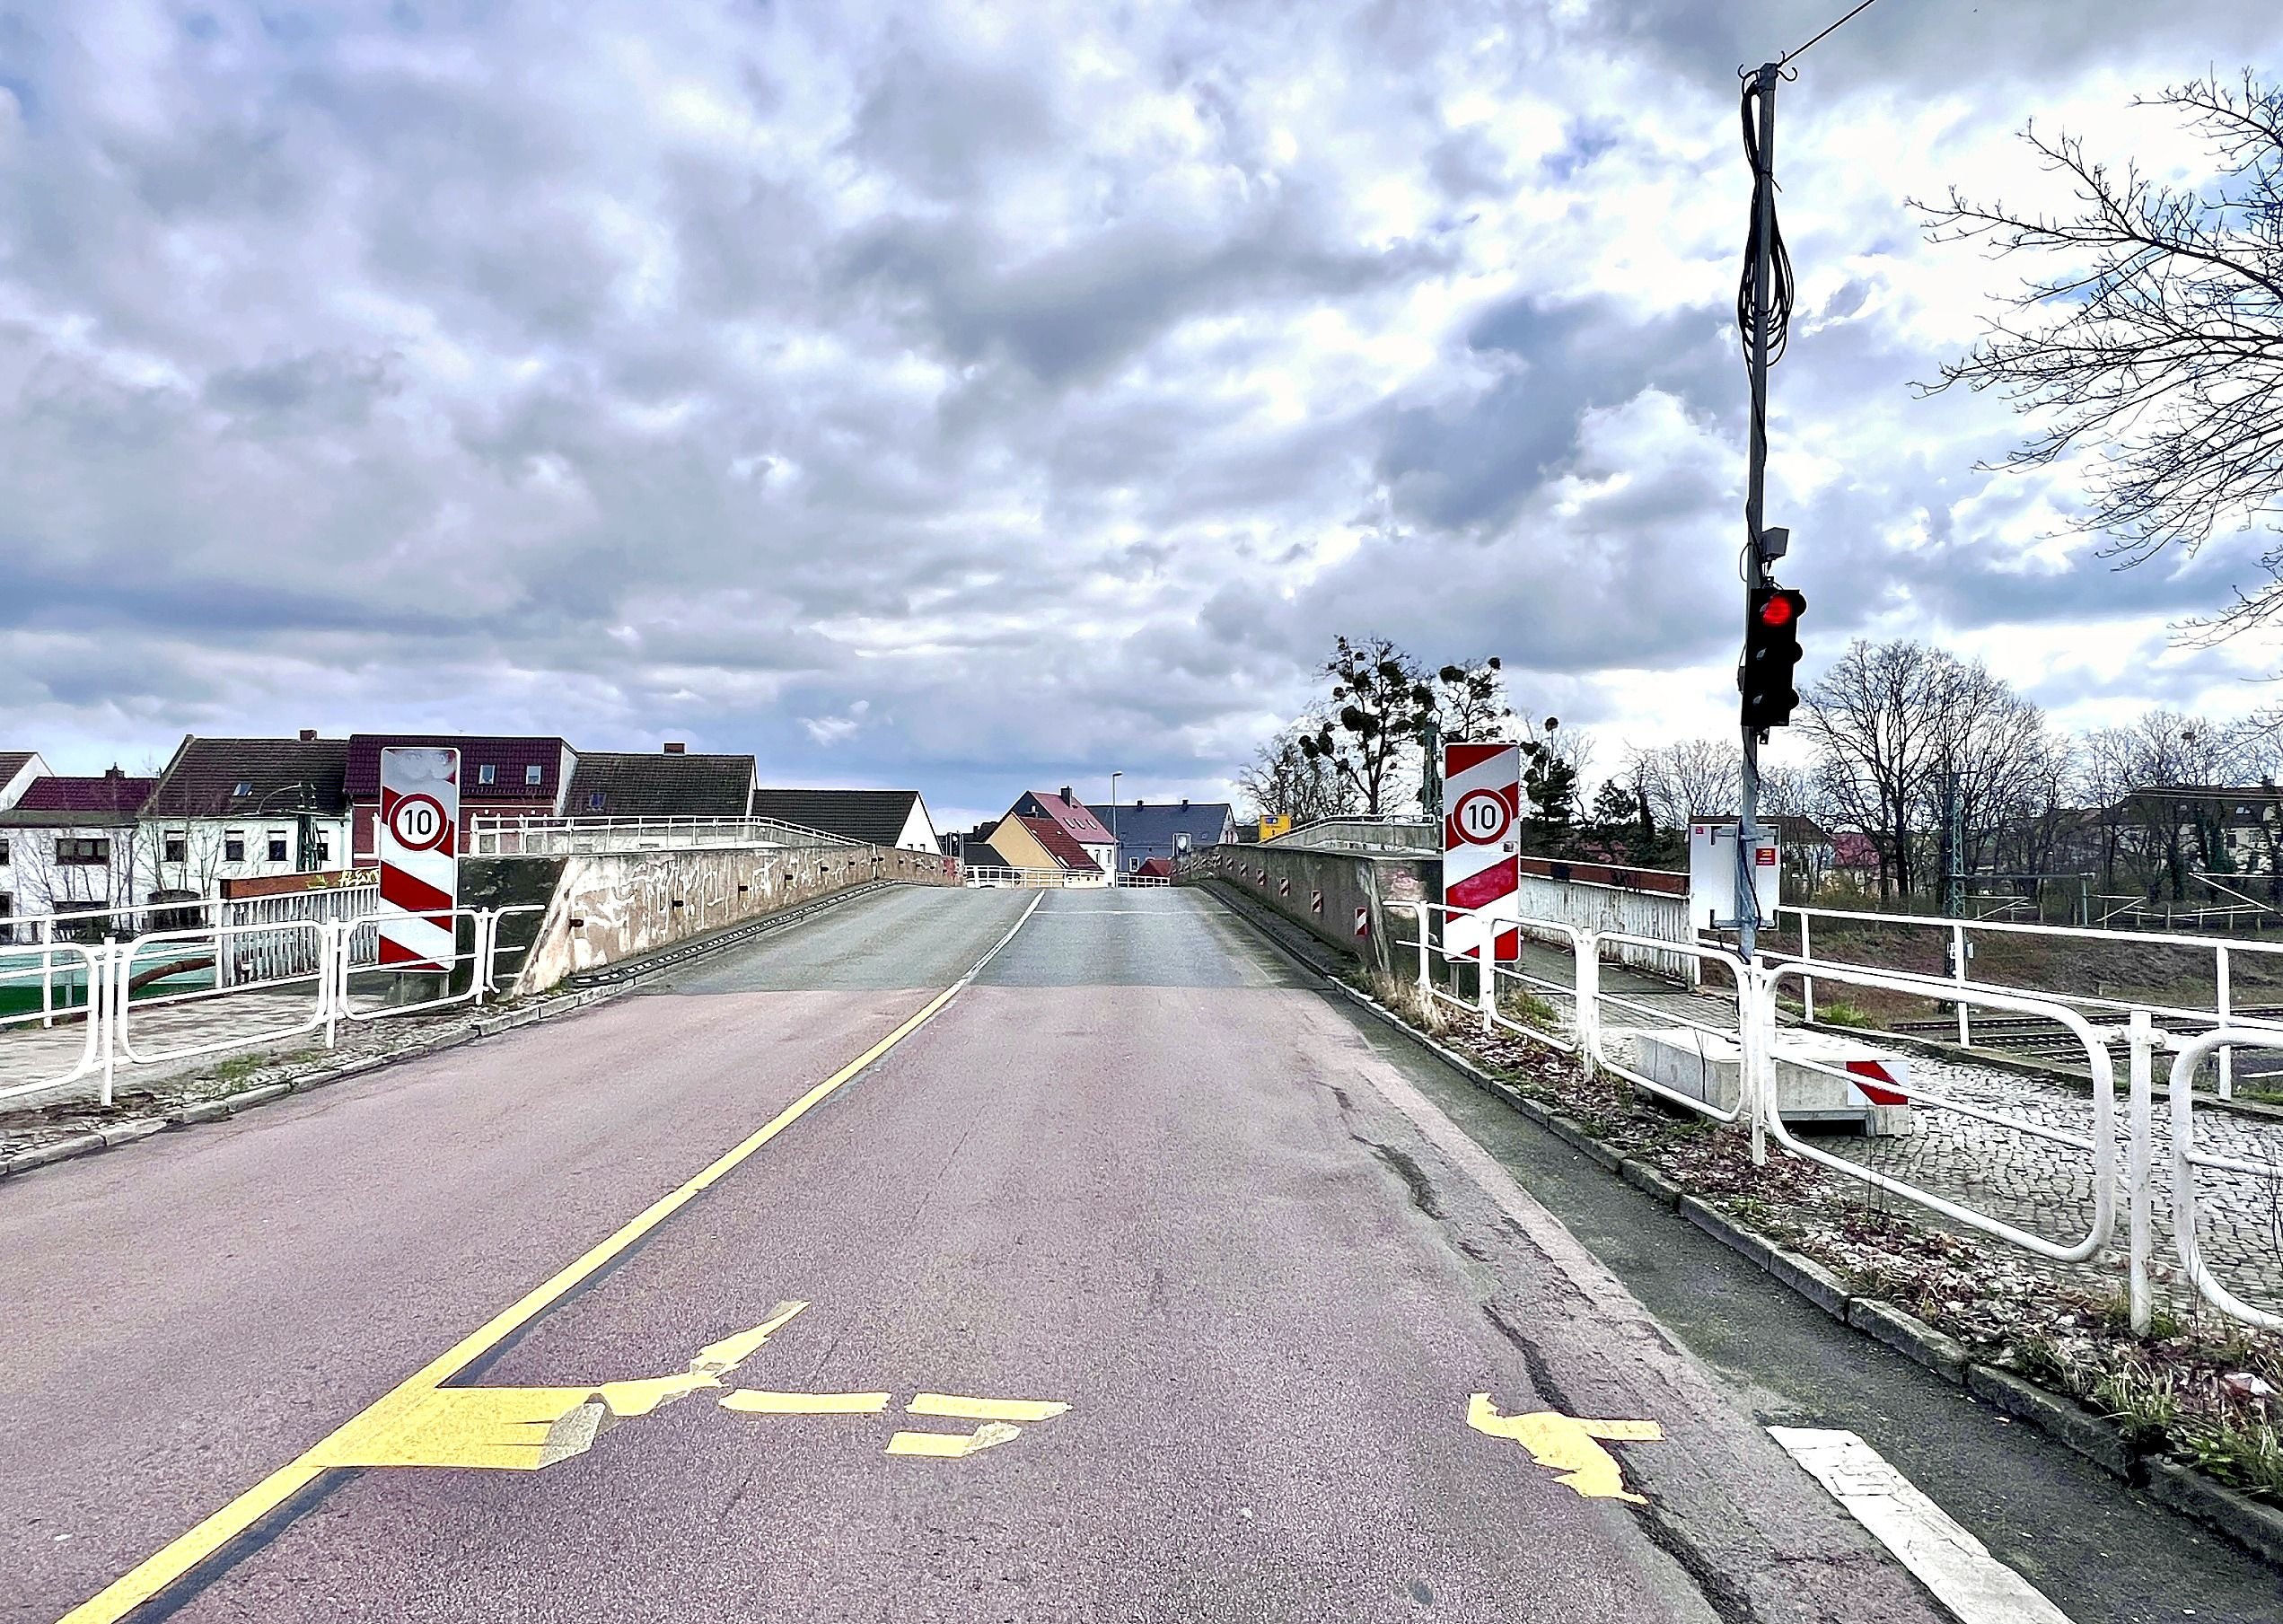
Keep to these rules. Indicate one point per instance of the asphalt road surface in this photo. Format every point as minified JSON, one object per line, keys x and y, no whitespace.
{"x":1134,"y":1281}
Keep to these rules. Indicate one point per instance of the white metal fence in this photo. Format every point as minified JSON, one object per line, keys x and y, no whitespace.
{"x":2124,"y":1173}
{"x":1032,"y":879}
{"x":1966,"y":992}
{"x":292,"y":979}
{"x":494,"y":834}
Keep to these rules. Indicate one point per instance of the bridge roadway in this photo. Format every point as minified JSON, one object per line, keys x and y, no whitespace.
{"x":425,"y":1347}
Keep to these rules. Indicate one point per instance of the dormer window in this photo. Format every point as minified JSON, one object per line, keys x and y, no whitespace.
{"x":487,"y":774}
{"x":245,"y":787}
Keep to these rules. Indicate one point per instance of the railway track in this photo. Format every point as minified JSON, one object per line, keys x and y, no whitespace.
{"x":2036,"y":1036}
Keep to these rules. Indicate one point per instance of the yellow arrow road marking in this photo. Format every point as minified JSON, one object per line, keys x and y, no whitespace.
{"x":524,"y":1428}
{"x":754,"y":1402}
{"x":952,"y":1445}
{"x":1568,"y":1445}
{"x":983,"y":1409}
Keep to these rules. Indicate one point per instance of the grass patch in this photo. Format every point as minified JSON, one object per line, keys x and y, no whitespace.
{"x":1840,"y":1012}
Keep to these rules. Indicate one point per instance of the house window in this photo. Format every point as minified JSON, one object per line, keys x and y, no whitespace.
{"x":324,"y":846}
{"x":233,"y":845}
{"x":277,"y":846}
{"x":4,"y":851}
{"x":594,"y":800}
{"x":245,"y":787}
{"x":81,"y":852}
{"x":178,"y":845}
{"x":531,"y":775}
{"x":487,"y":774}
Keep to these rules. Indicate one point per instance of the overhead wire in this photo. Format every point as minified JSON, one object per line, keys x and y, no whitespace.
{"x":1828,"y":32}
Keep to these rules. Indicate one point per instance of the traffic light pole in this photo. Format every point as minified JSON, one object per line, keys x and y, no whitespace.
{"x":1763,"y":203}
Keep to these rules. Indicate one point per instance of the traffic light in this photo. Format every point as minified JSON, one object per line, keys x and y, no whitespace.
{"x":1771,"y":656}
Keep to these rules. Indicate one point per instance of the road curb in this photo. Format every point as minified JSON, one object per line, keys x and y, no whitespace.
{"x":2057,"y":1417}
{"x":2256,"y":1527}
{"x":1910,"y":1337}
{"x":224,"y":1106}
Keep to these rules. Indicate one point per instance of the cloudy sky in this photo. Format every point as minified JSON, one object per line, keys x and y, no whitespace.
{"x":982,"y":395}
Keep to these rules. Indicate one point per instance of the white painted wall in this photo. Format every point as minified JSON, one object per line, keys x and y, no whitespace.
{"x":206,"y":842}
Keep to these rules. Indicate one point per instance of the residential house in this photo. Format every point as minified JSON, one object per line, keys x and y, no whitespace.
{"x":878,"y":817}
{"x":240,"y":809}
{"x":1081,"y":825}
{"x":502,"y":776}
{"x":18,"y":769}
{"x":70,"y":845}
{"x":1041,"y":843}
{"x":1168,"y":829}
{"x":672,"y":783}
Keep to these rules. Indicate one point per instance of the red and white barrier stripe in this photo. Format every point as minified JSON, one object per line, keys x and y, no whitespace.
{"x":1481,"y":843}
{"x":419,"y":840}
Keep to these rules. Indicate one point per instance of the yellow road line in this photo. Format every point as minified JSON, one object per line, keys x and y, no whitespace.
{"x":754,"y":1402}
{"x":177,"y":1558}
{"x":953,"y":1445}
{"x":984,"y":1409}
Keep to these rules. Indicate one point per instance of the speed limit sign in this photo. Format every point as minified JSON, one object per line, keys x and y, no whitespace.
{"x":1482,"y":870}
{"x":419,"y":853}
{"x":1481,"y":816}
{"x":418,"y":823}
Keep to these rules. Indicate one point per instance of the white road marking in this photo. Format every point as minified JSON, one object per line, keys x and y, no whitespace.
{"x":1975,"y":1585}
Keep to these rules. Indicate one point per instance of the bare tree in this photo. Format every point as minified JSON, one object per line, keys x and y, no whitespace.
{"x":2157,"y":339}
{"x":2106,"y":770}
{"x":1690,"y":779}
{"x":1283,"y":781}
{"x":1873,"y":719}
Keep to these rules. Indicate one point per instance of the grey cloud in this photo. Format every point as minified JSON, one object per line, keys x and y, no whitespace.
{"x":1069,"y":313}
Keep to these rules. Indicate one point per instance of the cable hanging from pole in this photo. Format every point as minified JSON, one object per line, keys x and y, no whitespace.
{"x":1779,"y":259}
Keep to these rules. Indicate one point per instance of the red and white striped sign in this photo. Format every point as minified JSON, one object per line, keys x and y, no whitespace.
{"x":419,"y":851}
{"x":1482,"y":846}
{"x":1315,"y":901}
{"x":1363,"y":921}
{"x":1284,"y":888}
{"x":1867,"y":1076}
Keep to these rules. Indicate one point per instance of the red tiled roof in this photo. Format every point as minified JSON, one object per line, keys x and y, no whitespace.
{"x":1071,"y":817}
{"x":1060,"y":847}
{"x":99,"y":794}
{"x":509,"y":756}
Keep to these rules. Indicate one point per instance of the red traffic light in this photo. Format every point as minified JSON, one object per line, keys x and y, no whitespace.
{"x":1778,"y":610}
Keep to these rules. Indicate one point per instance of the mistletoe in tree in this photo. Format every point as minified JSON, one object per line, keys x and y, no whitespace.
{"x":1384,"y":708}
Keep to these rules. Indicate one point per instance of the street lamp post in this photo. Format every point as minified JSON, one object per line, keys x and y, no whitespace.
{"x":1113,"y":807}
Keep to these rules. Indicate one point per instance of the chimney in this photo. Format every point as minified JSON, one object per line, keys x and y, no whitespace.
{"x":1065,"y":794}
{"x":114,"y":771}
{"x":1184,"y":800}
{"x":675,"y":747}
{"x":309,"y":735}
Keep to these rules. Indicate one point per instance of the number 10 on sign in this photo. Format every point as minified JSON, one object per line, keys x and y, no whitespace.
{"x":1482,"y":848}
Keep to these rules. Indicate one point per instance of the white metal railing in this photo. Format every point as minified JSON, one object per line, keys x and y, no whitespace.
{"x":1965,"y":994}
{"x":2123,"y":1188}
{"x":278,"y":995}
{"x":499,"y":835}
{"x":2186,"y":1159}
{"x":1132,"y":881}
{"x":1036,"y":879}
{"x":2101,"y":1144}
